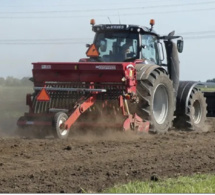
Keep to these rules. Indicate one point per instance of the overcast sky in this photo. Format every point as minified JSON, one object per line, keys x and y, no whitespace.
{"x":58,"y":30}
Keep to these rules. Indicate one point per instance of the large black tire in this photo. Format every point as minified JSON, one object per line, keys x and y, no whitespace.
{"x":59,"y":118}
{"x":195,"y":117}
{"x":156,"y":101}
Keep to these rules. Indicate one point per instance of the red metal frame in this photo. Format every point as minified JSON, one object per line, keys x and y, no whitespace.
{"x":85,"y":72}
{"x":89,"y":72}
{"x":78,"y":111}
{"x":136,"y":123}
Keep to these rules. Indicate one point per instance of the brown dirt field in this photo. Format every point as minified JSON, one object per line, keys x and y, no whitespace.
{"x":94,"y":162}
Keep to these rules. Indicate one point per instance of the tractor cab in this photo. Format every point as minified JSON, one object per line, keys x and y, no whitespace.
{"x":127,"y":43}
{"x":122,"y":43}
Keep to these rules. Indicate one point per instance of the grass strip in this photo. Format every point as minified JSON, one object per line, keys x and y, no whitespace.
{"x":199,"y":183}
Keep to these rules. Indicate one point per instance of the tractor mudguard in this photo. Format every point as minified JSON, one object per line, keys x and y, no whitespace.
{"x":144,"y":70}
{"x":173,"y":63}
{"x":184,"y":90}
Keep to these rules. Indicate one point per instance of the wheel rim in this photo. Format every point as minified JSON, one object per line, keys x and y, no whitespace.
{"x":160,"y":104}
{"x":197,"y":113}
{"x":62,"y":132}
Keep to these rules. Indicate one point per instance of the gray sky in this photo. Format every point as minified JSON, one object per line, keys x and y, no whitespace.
{"x":57,"y":30}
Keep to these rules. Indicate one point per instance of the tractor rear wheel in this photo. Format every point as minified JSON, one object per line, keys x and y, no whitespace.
{"x":60,"y":118}
{"x":196,"y":111}
{"x":156,"y":101}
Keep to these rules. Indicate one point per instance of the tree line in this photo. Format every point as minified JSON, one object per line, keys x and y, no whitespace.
{"x":211,"y":80}
{"x":15,"y":82}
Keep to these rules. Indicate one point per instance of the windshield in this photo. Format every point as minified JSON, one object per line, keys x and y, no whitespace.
{"x":117,"y":46}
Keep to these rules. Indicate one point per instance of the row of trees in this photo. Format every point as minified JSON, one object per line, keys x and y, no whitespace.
{"x":13,"y":82}
{"x":211,"y":80}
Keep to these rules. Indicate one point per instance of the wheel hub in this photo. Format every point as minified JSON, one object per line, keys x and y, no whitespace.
{"x":61,"y":125}
{"x":197,"y":112}
{"x":160,"y":104}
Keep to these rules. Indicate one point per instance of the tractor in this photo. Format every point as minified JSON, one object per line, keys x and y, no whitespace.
{"x":129,"y":80}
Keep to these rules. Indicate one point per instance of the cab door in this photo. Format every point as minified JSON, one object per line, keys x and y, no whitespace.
{"x":149,"y":48}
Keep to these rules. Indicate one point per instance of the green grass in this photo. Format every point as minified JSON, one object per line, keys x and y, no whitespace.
{"x":195,"y":184}
{"x":14,"y":94}
{"x":208,"y":89}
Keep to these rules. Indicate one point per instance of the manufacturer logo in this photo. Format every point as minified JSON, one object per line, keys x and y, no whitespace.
{"x":46,"y":66}
{"x":106,"y":67}
{"x":115,"y":27}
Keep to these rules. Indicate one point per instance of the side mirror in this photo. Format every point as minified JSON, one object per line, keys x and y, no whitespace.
{"x":87,"y":45}
{"x":180,"y":45}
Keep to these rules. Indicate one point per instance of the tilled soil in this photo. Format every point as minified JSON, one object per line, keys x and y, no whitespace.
{"x":94,"y":161}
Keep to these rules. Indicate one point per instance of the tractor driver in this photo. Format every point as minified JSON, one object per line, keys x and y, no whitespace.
{"x":126,"y":48}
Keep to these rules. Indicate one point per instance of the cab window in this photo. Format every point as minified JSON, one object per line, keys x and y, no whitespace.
{"x":117,"y":46}
{"x":149,"y":48}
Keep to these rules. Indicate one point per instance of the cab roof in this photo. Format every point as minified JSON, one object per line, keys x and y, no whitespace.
{"x":122,"y":27}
